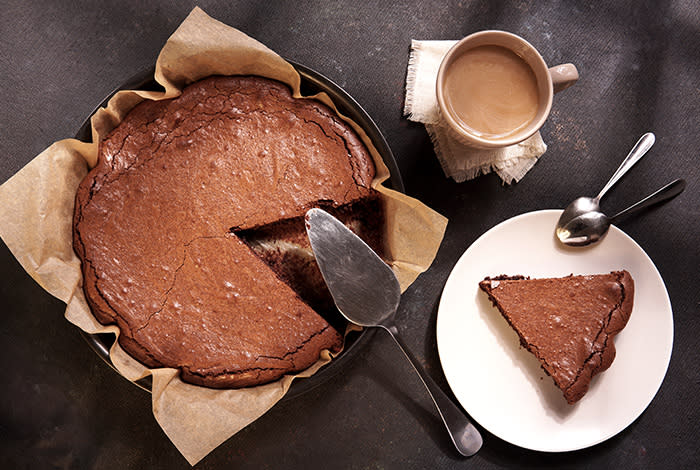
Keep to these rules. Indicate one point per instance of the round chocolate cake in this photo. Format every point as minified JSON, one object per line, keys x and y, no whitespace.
{"x":157,"y":224}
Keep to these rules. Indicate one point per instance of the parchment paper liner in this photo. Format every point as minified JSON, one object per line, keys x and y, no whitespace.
{"x":36,"y":210}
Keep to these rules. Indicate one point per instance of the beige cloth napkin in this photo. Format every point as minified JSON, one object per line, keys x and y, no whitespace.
{"x":459,"y":161}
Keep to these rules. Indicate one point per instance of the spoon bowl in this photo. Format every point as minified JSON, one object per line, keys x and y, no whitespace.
{"x":584,"y":229}
{"x":578,"y":207}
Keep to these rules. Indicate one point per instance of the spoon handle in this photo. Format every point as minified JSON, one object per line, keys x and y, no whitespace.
{"x":464,"y":435}
{"x":640,"y":148}
{"x":669,"y":191}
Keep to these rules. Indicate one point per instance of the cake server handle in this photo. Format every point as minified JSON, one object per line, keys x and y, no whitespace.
{"x":464,"y":435}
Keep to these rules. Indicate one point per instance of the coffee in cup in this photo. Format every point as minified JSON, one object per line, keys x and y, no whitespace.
{"x":495,"y":90}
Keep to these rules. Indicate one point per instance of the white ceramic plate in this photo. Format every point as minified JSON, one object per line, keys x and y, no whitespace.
{"x":502,"y":386}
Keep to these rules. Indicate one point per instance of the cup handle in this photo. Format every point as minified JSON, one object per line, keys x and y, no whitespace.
{"x":563,"y":76}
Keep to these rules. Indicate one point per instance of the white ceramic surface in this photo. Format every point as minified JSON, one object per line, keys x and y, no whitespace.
{"x":502,"y":386}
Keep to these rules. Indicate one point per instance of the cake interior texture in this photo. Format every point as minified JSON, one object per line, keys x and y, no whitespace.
{"x":190,"y":229}
{"x":568,"y":323}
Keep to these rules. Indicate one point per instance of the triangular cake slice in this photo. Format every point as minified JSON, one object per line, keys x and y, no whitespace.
{"x":568,"y":323}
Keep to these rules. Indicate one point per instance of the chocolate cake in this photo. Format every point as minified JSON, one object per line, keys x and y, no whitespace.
{"x":165,"y":221}
{"x":568,"y":323}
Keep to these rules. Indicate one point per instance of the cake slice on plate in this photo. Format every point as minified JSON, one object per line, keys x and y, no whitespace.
{"x":568,"y":323}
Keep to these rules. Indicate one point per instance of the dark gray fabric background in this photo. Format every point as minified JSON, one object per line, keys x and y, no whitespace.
{"x":639,"y":62}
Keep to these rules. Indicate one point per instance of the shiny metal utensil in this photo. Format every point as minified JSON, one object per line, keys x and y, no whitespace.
{"x":367,"y":293}
{"x":584,"y":204}
{"x":590,"y":227}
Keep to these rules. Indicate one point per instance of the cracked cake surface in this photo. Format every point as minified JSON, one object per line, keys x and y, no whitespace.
{"x":156,"y":222}
{"x":568,"y":323}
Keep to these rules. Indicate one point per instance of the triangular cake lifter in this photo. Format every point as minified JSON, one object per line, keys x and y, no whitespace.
{"x":568,"y":323}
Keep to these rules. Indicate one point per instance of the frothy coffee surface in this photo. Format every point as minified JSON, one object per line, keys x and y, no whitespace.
{"x":491,"y":91}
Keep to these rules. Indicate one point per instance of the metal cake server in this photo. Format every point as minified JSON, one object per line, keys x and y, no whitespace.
{"x":367,"y":293}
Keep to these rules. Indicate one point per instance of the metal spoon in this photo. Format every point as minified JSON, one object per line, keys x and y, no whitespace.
{"x":583,"y":205}
{"x":367,"y":293}
{"x":590,"y":227}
